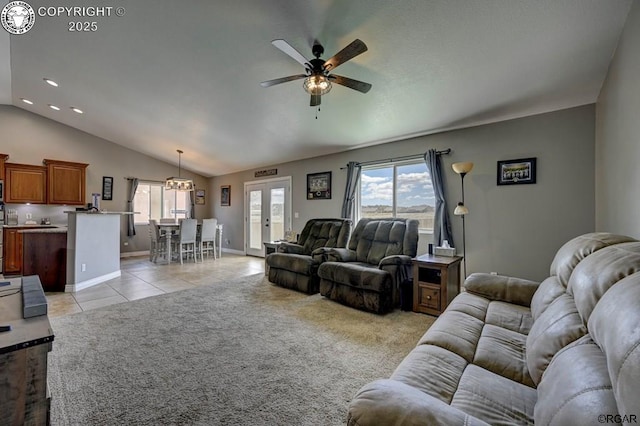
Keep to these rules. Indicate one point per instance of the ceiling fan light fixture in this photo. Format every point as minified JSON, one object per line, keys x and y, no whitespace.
{"x":317,"y":84}
{"x":179,"y":183}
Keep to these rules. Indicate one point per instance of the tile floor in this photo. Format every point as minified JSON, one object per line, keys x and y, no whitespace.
{"x":141,"y":278}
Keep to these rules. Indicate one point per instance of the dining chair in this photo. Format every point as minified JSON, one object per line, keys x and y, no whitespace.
{"x":157,"y":243}
{"x":186,"y":238}
{"x":207,"y":237}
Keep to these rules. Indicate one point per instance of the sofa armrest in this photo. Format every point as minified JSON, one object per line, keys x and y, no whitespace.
{"x":389,"y":402}
{"x":293,"y":248}
{"x":503,"y":288}
{"x":395,"y":260}
{"x":340,"y":255}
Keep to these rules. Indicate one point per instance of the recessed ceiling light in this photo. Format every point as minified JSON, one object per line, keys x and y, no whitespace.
{"x":54,"y":107}
{"x":51,"y":82}
{"x":78,"y":110}
{"x":27,"y":101}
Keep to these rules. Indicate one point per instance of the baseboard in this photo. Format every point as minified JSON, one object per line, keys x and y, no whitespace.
{"x":71,"y":288}
{"x":134,"y":253}
{"x":232,"y":251}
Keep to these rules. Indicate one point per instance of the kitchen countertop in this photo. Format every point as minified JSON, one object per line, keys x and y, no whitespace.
{"x":35,"y":226}
{"x":50,"y":230}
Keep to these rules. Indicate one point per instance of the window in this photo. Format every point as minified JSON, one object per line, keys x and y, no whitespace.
{"x":402,"y":190}
{"x":152,"y":201}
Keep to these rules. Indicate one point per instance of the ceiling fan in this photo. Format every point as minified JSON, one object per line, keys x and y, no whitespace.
{"x":317,"y":71}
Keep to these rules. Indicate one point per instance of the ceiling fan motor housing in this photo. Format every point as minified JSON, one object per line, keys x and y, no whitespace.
{"x":317,"y":49}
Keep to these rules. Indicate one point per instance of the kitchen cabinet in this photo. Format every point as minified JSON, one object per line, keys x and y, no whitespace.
{"x":25,"y":183}
{"x":44,"y":253}
{"x":12,"y":251}
{"x":3,"y":159}
{"x":66,"y":182}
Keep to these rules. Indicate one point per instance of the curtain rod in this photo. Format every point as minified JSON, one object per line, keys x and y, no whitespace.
{"x":406,"y":157}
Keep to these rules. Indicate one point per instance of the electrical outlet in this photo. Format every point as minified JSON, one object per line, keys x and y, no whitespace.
{"x":28,"y":216}
{"x":494,"y":273}
{"x":84,"y":267}
{"x":126,"y":243}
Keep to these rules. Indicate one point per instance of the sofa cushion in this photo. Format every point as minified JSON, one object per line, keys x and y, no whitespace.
{"x":325,"y":233}
{"x":558,"y":326}
{"x":375,"y":239}
{"x":463,"y":342}
{"x":358,"y":275}
{"x":403,"y":404}
{"x":615,"y":326}
{"x":512,"y":317}
{"x":547,"y":292}
{"x":575,"y":250}
{"x":298,"y":263}
{"x":493,"y":398}
{"x":502,"y":351}
{"x":594,"y":276}
{"x":433,"y":370}
{"x":470,"y":304}
{"x":576,"y":388}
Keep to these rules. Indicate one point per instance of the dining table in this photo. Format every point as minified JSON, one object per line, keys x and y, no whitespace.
{"x":171,"y":228}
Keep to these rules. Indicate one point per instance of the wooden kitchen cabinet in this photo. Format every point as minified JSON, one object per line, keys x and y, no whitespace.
{"x":66,"y":182}
{"x":25,"y":183}
{"x":12,"y":251}
{"x":3,"y":159}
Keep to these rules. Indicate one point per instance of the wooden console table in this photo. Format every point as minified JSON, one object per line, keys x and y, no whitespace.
{"x":436,"y":281}
{"x":23,"y":361}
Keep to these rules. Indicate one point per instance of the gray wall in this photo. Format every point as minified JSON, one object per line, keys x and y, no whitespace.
{"x":512,"y":230}
{"x":618,"y":136}
{"x":29,"y":138}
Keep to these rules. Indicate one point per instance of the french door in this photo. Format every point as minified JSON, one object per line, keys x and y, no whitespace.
{"x":267,"y":213}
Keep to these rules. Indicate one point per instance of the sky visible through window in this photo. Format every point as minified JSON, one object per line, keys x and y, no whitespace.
{"x":412,"y":188}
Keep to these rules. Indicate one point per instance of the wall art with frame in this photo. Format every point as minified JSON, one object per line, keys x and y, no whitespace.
{"x":199,"y":199}
{"x":517,"y":172}
{"x":107,"y":188}
{"x":319,"y":186}
{"x":225,"y":195}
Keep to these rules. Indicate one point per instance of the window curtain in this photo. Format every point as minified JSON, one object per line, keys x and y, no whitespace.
{"x":133,"y":187}
{"x":441,"y":221}
{"x":353,"y":175}
{"x":192,"y":198}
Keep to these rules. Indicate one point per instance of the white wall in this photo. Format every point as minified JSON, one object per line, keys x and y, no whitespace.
{"x":29,"y":138}
{"x":618,"y":136}
{"x":513,"y":230}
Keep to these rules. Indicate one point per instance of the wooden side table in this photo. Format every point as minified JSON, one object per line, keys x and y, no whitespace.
{"x":436,"y":281}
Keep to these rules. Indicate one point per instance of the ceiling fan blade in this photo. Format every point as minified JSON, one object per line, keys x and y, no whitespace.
{"x":351,"y":51}
{"x":315,"y":100}
{"x":270,"y":83}
{"x":291,"y":51}
{"x":360,"y":86}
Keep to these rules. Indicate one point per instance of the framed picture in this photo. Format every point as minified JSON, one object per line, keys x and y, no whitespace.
{"x":199,"y":196}
{"x":516,"y":172}
{"x":225,"y":195}
{"x":107,"y":188}
{"x":319,"y":186}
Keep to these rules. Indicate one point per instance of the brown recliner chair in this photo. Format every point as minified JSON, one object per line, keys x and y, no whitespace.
{"x":368,"y":274}
{"x":294,"y":266}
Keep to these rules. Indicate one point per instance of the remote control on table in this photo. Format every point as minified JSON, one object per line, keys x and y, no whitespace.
{"x":5,"y":328}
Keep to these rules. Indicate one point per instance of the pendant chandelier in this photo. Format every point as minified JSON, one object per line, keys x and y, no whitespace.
{"x":179,"y":183}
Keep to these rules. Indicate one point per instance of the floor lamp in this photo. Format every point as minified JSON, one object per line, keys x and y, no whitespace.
{"x":461,"y":209}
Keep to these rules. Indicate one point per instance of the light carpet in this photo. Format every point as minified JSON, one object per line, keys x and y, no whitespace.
{"x":242,"y":352}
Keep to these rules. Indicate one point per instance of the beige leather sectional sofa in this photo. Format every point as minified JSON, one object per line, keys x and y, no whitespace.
{"x":510,"y":351}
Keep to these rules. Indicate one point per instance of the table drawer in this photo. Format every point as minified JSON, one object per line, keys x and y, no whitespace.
{"x":429,"y":297}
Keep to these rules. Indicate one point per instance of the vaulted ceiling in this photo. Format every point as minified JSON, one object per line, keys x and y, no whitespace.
{"x":185,"y":75}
